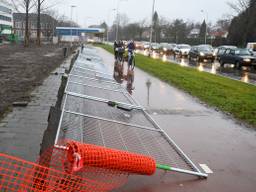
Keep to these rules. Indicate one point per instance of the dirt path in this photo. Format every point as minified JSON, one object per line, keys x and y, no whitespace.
{"x":22,"y":69}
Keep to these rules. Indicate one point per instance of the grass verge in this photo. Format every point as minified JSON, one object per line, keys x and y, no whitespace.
{"x":234,"y":97}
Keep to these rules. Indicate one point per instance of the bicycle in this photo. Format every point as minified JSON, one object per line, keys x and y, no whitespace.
{"x":131,"y":60}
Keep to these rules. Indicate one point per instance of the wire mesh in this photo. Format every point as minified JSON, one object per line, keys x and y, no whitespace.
{"x":79,"y":72}
{"x":96,"y":82}
{"x":93,"y":122}
{"x":98,"y":92}
{"x":122,"y":137}
{"x":102,"y":110}
{"x":20,"y":175}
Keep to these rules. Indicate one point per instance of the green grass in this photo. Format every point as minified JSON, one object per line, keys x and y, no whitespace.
{"x":228,"y":95}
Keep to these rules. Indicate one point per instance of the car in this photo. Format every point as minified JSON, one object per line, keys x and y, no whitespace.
{"x":166,"y":49}
{"x":220,"y":50}
{"x":239,"y":57}
{"x":201,"y":53}
{"x":139,"y":45}
{"x":156,"y":47}
{"x":252,"y":47}
{"x":182,"y":50}
{"x":146,"y":45}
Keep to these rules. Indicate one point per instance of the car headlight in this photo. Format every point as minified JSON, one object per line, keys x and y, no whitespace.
{"x":247,"y":60}
{"x":165,"y":49}
{"x":201,"y":54}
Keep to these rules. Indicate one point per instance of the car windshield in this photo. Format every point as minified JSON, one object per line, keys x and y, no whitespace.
{"x":184,"y":47}
{"x":205,"y":48}
{"x":243,"y":52}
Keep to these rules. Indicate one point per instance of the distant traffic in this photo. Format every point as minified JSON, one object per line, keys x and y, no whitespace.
{"x":225,"y":54}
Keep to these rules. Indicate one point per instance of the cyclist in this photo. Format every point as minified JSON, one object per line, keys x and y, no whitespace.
{"x":131,"y":48}
{"x":119,"y":50}
{"x":115,"y":49}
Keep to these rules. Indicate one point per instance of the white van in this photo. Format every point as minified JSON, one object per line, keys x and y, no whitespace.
{"x":252,"y":47}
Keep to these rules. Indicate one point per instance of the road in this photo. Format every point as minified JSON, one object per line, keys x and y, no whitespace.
{"x":206,"y":135}
{"x":246,"y":74}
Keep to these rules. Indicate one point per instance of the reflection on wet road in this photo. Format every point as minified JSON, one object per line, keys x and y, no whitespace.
{"x":246,"y":74}
{"x":208,"y":136}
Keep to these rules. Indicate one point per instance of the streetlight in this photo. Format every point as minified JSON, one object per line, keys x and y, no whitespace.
{"x":111,"y":10}
{"x":206,"y":20}
{"x":117,"y":16}
{"x":72,"y":7}
{"x":151,"y":29}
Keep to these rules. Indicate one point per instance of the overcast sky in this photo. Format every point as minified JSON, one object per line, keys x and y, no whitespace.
{"x":90,"y":12}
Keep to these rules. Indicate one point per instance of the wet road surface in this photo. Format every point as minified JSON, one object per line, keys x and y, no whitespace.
{"x":246,"y":74}
{"x":206,"y":136}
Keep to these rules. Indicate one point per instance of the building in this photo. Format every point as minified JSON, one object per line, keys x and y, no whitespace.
{"x":6,"y":18}
{"x":48,"y":25}
{"x":194,"y":33}
{"x":68,"y":34}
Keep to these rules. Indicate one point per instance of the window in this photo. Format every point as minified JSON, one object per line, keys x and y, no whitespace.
{"x":232,"y":52}
{"x":254,"y":47}
{"x":4,"y":18}
{"x":221,"y":51}
{"x":227,"y":51}
{"x":5,"y":9}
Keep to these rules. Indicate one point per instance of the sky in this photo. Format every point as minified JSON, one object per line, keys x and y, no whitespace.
{"x":88,"y":12}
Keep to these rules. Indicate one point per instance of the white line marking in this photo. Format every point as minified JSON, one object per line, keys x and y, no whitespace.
{"x":206,"y":168}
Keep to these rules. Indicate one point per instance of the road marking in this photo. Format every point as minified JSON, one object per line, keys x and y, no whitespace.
{"x":206,"y":168}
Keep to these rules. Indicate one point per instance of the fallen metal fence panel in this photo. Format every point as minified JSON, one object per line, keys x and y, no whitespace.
{"x":87,"y":117}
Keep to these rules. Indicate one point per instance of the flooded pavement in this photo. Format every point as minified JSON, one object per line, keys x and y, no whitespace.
{"x":246,"y":74}
{"x":207,"y":136}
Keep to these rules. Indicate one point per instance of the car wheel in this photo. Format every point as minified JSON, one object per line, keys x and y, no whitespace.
{"x":198,"y":59}
{"x":238,"y":65}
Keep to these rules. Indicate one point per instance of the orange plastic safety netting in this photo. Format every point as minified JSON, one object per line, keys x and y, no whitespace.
{"x":110,"y":159}
{"x":74,"y":157}
{"x":57,"y":158}
{"x":104,"y":165}
{"x":20,"y":175}
{"x":73,"y":167}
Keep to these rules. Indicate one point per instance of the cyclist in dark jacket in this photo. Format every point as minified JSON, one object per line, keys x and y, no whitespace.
{"x":131,"y":47}
{"x":115,"y":49}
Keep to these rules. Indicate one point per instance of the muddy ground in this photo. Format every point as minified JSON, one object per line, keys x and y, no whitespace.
{"x":22,"y":69}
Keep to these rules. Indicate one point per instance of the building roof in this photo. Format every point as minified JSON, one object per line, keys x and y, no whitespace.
{"x":32,"y":17}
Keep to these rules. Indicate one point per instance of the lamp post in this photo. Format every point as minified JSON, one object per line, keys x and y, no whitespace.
{"x":109,"y":22}
{"x":72,"y":7}
{"x":151,"y":29}
{"x":117,"y":16}
{"x":205,"y":19}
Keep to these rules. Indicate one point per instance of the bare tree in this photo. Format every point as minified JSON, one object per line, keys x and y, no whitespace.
{"x":239,"y":6}
{"x":39,"y":4}
{"x":40,"y":8}
{"x":20,"y":6}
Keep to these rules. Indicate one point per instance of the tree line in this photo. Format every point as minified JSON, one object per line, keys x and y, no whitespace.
{"x":240,"y":28}
{"x":243,"y":26}
{"x":164,"y":30}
